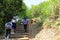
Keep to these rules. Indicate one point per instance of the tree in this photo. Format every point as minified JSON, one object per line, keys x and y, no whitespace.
{"x":55,"y":7}
{"x":9,"y":9}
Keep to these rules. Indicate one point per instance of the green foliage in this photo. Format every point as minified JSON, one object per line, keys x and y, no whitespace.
{"x":55,"y":6}
{"x":1,"y":30}
{"x":9,"y":9}
{"x":44,"y":10}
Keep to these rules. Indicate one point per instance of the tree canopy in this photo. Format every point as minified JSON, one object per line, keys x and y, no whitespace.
{"x":11,"y":8}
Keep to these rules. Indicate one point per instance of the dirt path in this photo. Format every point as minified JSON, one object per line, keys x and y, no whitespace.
{"x":19,"y":34}
{"x":48,"y":34}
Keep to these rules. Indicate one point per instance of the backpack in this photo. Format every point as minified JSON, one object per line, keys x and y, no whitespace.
{"x":25,"y":21}
{"x":8,"y":25}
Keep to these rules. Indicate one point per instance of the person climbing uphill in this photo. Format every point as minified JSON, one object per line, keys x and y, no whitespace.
{"x":8,"y":27}
{"x":13,"y":26}
{"x":25,"y":23}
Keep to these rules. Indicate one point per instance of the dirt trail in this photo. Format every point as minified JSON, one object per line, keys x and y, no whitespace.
{"x":48,"y":34}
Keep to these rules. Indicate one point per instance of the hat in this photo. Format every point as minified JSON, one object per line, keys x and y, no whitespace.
{"x":13,"y":20}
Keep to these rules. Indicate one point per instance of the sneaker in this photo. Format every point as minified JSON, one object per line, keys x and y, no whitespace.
{"x":5,"y":38}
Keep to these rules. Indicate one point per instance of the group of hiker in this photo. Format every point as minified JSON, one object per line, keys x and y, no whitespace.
{"x":10,"y":27}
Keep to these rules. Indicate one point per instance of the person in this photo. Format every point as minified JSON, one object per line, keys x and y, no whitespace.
{"x":31,"y":21}
{"x":32,"y":28}
{"x":8,"y":27}
{"x":13,"y":26}
{"x":25,"y":23}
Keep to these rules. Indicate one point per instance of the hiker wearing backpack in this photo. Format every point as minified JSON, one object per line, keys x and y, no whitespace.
{"x":13,"y":26}
{"x":25,"y":23}
{"x":8,"y":27}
